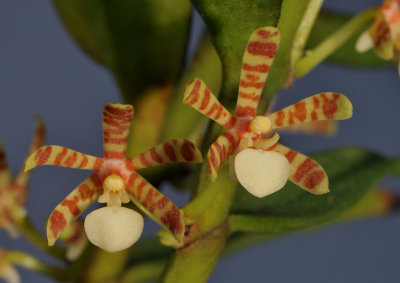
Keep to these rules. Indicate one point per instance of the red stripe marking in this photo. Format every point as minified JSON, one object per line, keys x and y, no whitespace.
{"x":155,"y":156}
{"x":187,"y":150}
{"x":299,"y":113}
{"x":209,"y":166}
{"x":122,"y":119}
{"x":162,"y":202}
{"x":250,"y":96}
{"x":213,"y":108}
{"x":148,"y":198}
{"x":262,"y":68}
{"x":194,"y":94}
{"x":314,"y":115}
{"x":316,"y":102}
{"x":251,"y":84}
{"x":42,"y":155}
{"x":267,"y":49}
{"x":219,"y":112}
{"x":206,"y":99}
{"x":329,"y":106}
{"x":98,"y":164}
{"x":57,"y":222}
{"x":111,"y":123}
{"x":140,"y":187}
{"x":232,"y":142}
{"x":279,"y":118}
{"x":122,"y":110}
{"x":169,"y":151}
{"x":290,"y":156}
{"x":129,"y":164}
{"x":84,"y":161}
{"x":304,"y":168}
{"x":114,"y":154}
{"x":60,"y":156}
{"x":263,"y":33}
{"x":252,"y":77}
{"x":86,"y":192}
{"x":314,"y":179}
{"x":71,"y":159}
{"x":245,"y":111}
{"x":144,"y":161}
{"x":172,"y":219}
{"x":214,"y":160}
{"x":72,"y":205}
{"x":116,"y":140}
{"x":231,"y":123}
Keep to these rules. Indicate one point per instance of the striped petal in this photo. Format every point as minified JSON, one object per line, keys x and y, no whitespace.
{"x":38,"y":140}
{"x":72,"y":206}
{"x":5,"y":176}
{"x":177,"y":150}
{"x":220,"y":151}
{"x":156,"y":205}
{"x":305,"y":172}
{"x":257,"y":60}
{"x":203,"y":100}
{"x":322,"y":106}
{"x":117,"y":119}
{"x":62,"y":156}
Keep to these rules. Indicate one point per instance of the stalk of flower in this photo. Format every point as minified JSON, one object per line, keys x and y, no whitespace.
{"x":7,"y":271}
{"x":115,"y":181}
{"x":384,"y":33}
{"x":261,"y":164}
{"x":13,"y":192}
{"x":74,"y":237}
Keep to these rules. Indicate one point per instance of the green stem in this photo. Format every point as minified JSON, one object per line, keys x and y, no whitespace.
{"x":305,"y":27}
{"x":33,"y":236}
{"x":29,"y":262}
{"x":333,"y":42}
{"x":144,"y":272}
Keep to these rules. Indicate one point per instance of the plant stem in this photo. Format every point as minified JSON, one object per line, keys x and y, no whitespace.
{"x":333,"y":42}
{"x":144,"y":272}
{"x":33,"y":236}
{"x":305,"y":28}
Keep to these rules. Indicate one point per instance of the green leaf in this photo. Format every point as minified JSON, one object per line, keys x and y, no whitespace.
{"x":352,"y":172}
{"x":142,"y":42}
{"x":329,"y":22}
{"x":230,"y":23}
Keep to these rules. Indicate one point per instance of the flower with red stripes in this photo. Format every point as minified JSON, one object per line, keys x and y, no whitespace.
{"x":384,"y":33}
{"x":113,"y":182}
{"x":261,"y":164}
{"x":13,"y":192}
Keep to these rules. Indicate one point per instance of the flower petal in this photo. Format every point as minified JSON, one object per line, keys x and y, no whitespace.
{"x":322,"y":106}
{"x":62,"y":156}
{"x":203,"y":100}
{"x":219,"y":152}
{"x":324,"y":127}
{"x":156,"y":205}
{"x":305,"y":172}
{"x":117,"y":119}
{"x":381,"y":38}
{"x":5,"y":176}
{"x":72,"y":206}
{"x":177,"y":150}
{"x":257,"y":60}
{"x":38,"y":140}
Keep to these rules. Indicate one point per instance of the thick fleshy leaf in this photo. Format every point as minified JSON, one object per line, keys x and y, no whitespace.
{"x":156,"y":205}
{"x":220,"y":151}
{"x":61,"y":156}
{"x":305,"y":172}
{"x":5,"y":176}
{"x":199,"y":96}
{"x":38,"y":141}
{"x":72,"y":206}
{"x":117,"y":119}
{"x":352,"y":173}
{"x":142,"y":42}
{"x":258,"y":57}
{"x":177,"y":150}
{"x":322,"y":106}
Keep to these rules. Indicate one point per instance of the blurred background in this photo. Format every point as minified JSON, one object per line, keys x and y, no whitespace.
{"x":43,"y":71}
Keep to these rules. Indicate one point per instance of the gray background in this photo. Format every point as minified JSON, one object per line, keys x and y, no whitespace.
{"x":43,"y":72}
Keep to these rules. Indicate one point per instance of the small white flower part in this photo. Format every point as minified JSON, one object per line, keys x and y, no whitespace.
{"x":260,"y":124}
{"x":261,"y":172}
{"x":7,"y":272}
{"x":364,"y":42}
{"x":114,"y":228}
{"x":114,"y":191}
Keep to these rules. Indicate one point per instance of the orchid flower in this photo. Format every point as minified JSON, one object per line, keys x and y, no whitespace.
{"x":13,"y":192}
{"x":113,"y":182}
{"x":261,"y":164}
{"x":75,"y":239}
{"x":384,"y":33}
